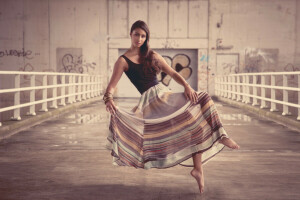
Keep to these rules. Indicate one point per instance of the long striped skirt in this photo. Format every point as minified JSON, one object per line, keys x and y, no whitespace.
{"x":165,"y":129}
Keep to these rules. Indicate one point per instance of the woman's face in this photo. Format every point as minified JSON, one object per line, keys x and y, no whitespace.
{"x":138,"y":37}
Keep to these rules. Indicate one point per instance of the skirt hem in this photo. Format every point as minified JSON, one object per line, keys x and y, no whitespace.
{"x":118,"y":162}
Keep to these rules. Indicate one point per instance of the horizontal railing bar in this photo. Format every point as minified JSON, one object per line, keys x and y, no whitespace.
{"x":32,"y":88}
{"x":74,"y":87}
{"x":263,"y":73}
{"x":42,"y":101}
{"x":262,"y":98}
{"x":262,"y":86}
{"x":44,"y":87}
{"x":46,"y":73}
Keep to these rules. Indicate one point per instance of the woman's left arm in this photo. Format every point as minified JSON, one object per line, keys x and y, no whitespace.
{"x":189,"y":92}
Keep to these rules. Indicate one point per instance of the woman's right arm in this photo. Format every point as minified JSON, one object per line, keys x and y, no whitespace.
{"x":119,"y":68}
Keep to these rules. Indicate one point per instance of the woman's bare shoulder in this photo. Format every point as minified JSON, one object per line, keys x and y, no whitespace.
{"x":157,"y":56}
{"x":121,"y":63}
{"x":155,"y":53}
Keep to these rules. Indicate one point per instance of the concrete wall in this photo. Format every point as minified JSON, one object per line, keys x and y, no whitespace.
{"x":175,"y":25}
{"x":297,"y":51}
{"x":41,"y":32}
{"x":85,"y":36}
{"x":51,"y":35}
{"x":261,"y":35}
{"x":40,"y":27}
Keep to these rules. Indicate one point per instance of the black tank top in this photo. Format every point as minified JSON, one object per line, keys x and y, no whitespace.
{"x":141,"y":77}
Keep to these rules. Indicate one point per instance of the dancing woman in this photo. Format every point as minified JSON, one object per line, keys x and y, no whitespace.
{"x":165,"y":128}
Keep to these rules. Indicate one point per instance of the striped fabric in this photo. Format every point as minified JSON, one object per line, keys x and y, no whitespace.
{"x":165,"y":129}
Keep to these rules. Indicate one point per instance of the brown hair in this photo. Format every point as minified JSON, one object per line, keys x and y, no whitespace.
{"x":146,"y":54}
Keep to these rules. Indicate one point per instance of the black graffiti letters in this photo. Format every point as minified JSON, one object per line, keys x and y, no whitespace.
{"x":76,"y":64}
{"x":18,"y":53}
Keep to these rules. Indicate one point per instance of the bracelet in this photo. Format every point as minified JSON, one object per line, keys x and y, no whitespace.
{"x":107,"y":97}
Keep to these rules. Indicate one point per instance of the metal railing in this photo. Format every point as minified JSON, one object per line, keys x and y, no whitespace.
{"x":245,"y":87}
{"x":72,"y":87}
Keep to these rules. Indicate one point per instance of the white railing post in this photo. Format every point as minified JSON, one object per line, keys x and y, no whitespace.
{"x":54,"y":92}
{"x":32,"y":96}
{"x":100,"y":85}
{"x":84,"y":88}
{"x":73,"y":89}
{"x":273,"y":94}
{"x":247,"y":89}
{"x":263,"y":92}
{"x":244,"y":89}
{"x":233,"y":81}
{"x":255,"y":103}
{"x":298,"y":118}
{"x":69,"y":89}
{"x":63,"y":91}
{"x":229,"y":87}
{"x":92,"y":86}
{"x":238,"y":88}
{"x":16,"y":115}
{"x":220,"y":85}
{"x":226,"y":86}
{"x":97,"y":86}
{"x":79,"y":88}
{"x":217,"y":86}
{"x":285,"y":96}
{"x":44,"y":94}
{"x":88,"y":82}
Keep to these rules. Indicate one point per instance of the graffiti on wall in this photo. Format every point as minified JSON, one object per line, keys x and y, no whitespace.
{"x":71,"y":60}
{"x":291,"y":68}
{"x":203,"y":70}
{"x":21,"y":56}
{"x":17,"y":53}
{"x":180,"y":63}
{"x":75,"y":64}
{"x":204,"y":58}
{"x":259,"y":60}
{"x":25,"y":80}
{"x":227,"y":64}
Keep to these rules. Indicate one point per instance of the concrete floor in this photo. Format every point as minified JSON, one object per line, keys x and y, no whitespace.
{"x":66,"y":158}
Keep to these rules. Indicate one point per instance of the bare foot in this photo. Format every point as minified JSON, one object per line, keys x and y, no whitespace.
{"x":198,"y":175}
{"x":229,"y":143}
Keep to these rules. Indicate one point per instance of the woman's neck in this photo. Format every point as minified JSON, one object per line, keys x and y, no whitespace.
{"x":135,"y":50}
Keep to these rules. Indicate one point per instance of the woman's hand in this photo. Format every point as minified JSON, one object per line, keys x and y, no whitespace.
{"x":111,"y":107}
{"x":190,"y":94}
